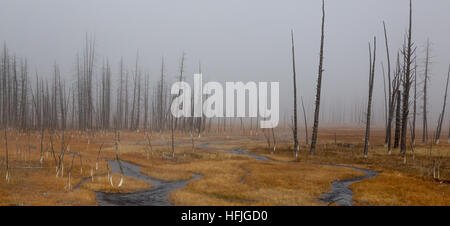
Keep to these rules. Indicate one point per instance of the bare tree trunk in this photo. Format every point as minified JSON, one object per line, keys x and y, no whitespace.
{"x":295,"y":97}
{"x":441,"y":116}
{"x":407,"y":85}
{"x":369,"y":103}
{"x":413,"y":130}
{"x":172,"y":136}
{"x":385,"y":103}
{"x":319,"y":85}
{"x":390,"y":94}
{"x":397,"y":120}
{"x":306,"y":123}
{"x":424,"y":113}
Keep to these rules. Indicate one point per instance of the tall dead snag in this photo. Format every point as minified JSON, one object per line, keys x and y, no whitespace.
{"x":407,"y":84}
{"x":85,"y":73}
{"x":161,"y":100}
{"x":397,"y":119}
{"x":306,"y":123}
{"x":391,"y":93}
{"x":369,"y":102}
{"x":385,"y":102}
{"x":202,"y":118}
{"x":319,"y":85}
{"x":295,"y":97}
{"x":413,"y":129}
{"x":105,"y":99}
{"x":425,"y":81}
{"x":441,"y":116}
{"x":119,"y":106}
{"x":394,"y":108}
{"x":179,"y":92}
{"x":146,"y":100}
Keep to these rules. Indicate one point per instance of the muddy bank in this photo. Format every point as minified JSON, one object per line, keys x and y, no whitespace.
{"x":156,"y":196}
{"x":340,"y":191}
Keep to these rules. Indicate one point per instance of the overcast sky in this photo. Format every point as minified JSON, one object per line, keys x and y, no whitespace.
{"x":235,"y":40}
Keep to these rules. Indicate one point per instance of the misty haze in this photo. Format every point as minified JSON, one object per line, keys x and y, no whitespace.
{"x":355,"y":112}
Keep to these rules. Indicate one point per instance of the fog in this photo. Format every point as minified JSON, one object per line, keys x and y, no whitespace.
{"x":237,"y":40}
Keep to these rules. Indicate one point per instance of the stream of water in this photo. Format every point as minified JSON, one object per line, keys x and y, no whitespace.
{"x":155,"y":196}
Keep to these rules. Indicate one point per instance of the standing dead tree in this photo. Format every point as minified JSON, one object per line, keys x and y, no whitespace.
{"x":391,"y":94}
{"x":425,"y":83}
{"x":319,"y":85}
{"x":160,"y":101}
{"x":413,"y":129}
{"x":407,"y":81}
{"x":180,"y":79}
{"x":120,"y":100}
{"x":397,"y":120}
{"x":369,"y":103}
{"x":441,"y":116}
{"x":295,"y":97}
{"x":396,"y":96}
{"x":385,"y":102}
{"x":306,"y":123}
{"x":85,"y":73}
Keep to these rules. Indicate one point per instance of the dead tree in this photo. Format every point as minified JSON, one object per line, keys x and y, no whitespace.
{"x":119,"y":105}
{"x":407,"y":81}
{"x":295,"y":97}
{"x":394,"y":108}
{"x":397,"y":120}
{"x":105,"y":97}
{"x":306,"y":123}
{"x":180,"y":79}
{"x":425,"y":81}
{"x":441,"y":116}
{"x":200,"y":121}
{"x":369,"y":103}
{"x":160,"y":100}
{"x":391,"y":94}
{"x":172,"y":137}
{"x":413,"y":129}
{"x":319,"y":85}
{"x":385,"y":102}
{"x":146,"y":101}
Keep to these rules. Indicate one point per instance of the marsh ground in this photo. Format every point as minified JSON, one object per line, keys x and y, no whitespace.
{"x":227,"y":178}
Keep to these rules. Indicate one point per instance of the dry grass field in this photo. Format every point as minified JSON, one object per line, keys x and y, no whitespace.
{"x":226,"y":178}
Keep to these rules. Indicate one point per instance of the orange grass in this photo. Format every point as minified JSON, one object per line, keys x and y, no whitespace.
{"x":227,"y":179}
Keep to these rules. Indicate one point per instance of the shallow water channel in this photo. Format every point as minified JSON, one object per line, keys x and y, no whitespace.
{"x":155,"y":196}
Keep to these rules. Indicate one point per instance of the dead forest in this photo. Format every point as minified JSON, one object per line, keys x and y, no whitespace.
{"x":104,"y":97}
